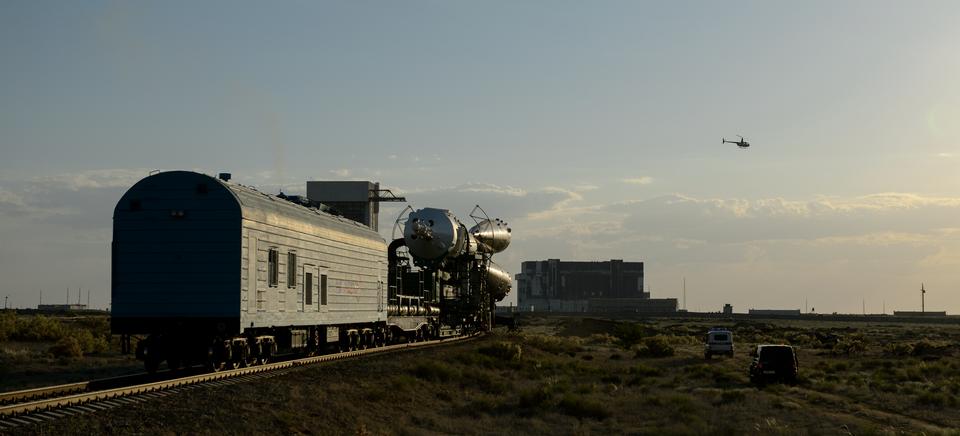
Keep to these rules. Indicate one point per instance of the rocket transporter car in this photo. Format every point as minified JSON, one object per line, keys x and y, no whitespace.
{"x":205,"y":271}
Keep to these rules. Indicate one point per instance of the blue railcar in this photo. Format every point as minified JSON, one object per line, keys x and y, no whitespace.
{"x":212,"y":271}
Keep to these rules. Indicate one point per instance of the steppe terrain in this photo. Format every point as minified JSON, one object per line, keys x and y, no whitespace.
{"x":582,"y":375}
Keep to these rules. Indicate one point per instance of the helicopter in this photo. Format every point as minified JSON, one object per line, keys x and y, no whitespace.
{"x":741,"y":143}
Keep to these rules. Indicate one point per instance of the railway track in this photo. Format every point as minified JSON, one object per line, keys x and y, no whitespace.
{"x":34,"y":406}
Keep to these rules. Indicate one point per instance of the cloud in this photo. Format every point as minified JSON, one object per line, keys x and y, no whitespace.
{"x":489,"y":188}
{"x":340,"y":172}
{"x":13,"y":204}
{"x":874,"y":231}
{"x":93,"y":179}
{"x":645,"y":180}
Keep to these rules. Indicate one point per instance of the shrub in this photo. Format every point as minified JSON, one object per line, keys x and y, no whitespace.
{"x":39,"y":328}
{"x":628,"y":334}
{"x":535,"y":398}
{"x":927,"y":348}
{"x":584,"y":408}
{"x":655,"y":346}
{"x":612,"y":379}
{"x":554,"y":345}
{"x":476,"y":407}
{"x":503,"y":351}
{"x":733,"y":395}
{"x":485,"y":381}
{"x":898,"y":349}
{"x":850,"y":344}
{"x":8,"y":324}
{"x":936,"y":399}
{"x":402,"y":383}
{"x":435,"y":371}
{"x":645,"y":371}
{"x":67,"y":348}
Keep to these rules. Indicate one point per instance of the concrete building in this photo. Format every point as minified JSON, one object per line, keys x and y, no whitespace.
{"x":727,"y":309}
{"x":633,"y":305}
{"x":775,"y":312}
{"x":60,"y":307}
{"x":911,"y":313}
{"x":557,"y":286}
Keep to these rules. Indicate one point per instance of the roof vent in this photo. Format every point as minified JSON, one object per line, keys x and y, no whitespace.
{"x":225,"y":177}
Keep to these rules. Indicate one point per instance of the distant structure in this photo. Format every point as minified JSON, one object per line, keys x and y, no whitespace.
{"x":727,"y":309}
{"x":60,"y":307}
{"x":569,"y":286}
{"x":775,"y":312}
{"x":912,"y":313}
{"x":358,"y":201}
{"x":633,"y":305}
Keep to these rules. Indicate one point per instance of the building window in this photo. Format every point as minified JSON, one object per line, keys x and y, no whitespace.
{"x":323,"y":289}
{"x":307,"y":290}
{"x":272,"y":270}
{"x":291,"y":270}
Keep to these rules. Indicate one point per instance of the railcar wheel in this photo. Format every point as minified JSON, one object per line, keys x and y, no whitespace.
{"x":380,"y":338}
{"x":215,"y":365}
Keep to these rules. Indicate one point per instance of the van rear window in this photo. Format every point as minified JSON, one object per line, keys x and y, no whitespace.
{"x":776,"y":353}
{"x":721,"y":337}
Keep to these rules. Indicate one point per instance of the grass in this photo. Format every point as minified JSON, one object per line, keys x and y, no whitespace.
{"x":38,"y":350}
{"x":561,"y":376}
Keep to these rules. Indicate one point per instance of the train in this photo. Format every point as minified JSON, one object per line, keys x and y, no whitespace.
{"x":205,"y":271}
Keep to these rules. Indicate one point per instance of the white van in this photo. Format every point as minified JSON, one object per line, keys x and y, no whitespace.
{"x":717,"y":341}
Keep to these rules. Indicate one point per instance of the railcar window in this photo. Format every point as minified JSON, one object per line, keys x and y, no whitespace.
{"x":323,"y":289}
{"x":291,"y":270}
{"x":307,"y":290}
{"x":272,"y":270}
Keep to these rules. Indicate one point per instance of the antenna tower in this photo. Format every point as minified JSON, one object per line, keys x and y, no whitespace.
{"x":923,"y":293}
{"x":684,"y":293}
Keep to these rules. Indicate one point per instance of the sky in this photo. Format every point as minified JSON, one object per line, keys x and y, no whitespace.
{"x":593,"y":128}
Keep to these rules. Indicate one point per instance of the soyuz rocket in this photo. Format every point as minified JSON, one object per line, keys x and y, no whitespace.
{"x":436,"y":236}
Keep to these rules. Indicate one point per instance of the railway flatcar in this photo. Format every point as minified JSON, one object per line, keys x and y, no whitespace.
{"x":204,"y":270}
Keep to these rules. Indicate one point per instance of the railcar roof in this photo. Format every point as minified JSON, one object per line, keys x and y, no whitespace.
{"x":254,"y":199}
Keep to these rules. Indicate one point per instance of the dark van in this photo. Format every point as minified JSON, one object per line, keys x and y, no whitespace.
{"x":774,"y":363}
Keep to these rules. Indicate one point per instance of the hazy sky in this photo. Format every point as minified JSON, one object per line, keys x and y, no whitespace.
{"x":592,"y":127}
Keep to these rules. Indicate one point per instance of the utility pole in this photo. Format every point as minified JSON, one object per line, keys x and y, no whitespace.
{"x":684,"y":293}
{"x":5,"y":302}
